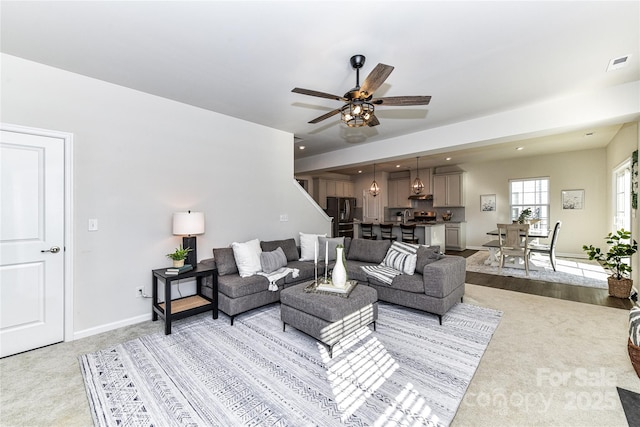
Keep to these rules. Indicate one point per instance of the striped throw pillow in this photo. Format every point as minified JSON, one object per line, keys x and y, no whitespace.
{"x":401,"y":257}
{"x":634,"y":325}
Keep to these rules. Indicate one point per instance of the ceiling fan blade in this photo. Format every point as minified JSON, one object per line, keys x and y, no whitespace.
{"x":318,"y":94}
{"x":373,"y":121}
{"x":375,"y":79}
{"x":325,"y":116}
{"x":402,"y":100}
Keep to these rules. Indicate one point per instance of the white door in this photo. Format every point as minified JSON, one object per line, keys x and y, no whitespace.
{"x":371,"y":208}
{"x":31,"y":241}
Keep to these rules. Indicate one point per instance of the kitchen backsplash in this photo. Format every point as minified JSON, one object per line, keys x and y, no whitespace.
{"x":458,"y":214}
{"x":419,"y":205}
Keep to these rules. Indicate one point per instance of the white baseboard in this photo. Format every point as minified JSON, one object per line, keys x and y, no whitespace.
{"x":110,"y":326}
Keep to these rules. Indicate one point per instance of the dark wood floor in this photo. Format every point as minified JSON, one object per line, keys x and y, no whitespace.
{"x":545,"y":289}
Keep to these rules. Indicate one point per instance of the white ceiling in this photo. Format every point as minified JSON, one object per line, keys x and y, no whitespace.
{"x":243,"y":58}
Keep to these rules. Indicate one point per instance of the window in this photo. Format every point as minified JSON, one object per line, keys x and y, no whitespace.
{"x":533,"y":194}
{"x":622,"y":196}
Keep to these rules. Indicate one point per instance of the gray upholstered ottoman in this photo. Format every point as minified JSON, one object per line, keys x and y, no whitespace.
{"x":328,"y":318}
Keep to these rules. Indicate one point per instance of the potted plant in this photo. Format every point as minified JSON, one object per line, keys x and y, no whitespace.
{"x":179,"y":255}
{"x":524,"y":216}
{"x":621,"y":248}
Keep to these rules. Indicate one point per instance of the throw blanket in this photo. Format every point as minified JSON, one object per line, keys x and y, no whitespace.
{"x":277,"y":275}
{"x":381,"y":272}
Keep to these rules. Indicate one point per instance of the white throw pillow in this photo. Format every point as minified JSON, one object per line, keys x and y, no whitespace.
{"x":247,"y":257}
{"x":308,"y":244}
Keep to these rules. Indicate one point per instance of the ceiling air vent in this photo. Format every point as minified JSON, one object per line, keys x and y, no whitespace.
{"x":616,"y":63}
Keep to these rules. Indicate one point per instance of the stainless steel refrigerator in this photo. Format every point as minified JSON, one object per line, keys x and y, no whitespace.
{"x":341,"y":209}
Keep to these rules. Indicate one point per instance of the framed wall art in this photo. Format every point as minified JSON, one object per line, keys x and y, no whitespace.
{"x":488,"y":202}
{"x":572,"y":199}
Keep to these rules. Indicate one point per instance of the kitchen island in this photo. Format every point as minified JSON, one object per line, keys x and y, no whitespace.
{"x":430,"y":234}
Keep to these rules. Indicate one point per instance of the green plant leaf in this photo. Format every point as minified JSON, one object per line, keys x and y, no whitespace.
{"x":621,"y":248}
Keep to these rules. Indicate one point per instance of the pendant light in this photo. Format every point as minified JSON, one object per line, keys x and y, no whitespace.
{"x":418,"y":185}
{"x":374,"y":190}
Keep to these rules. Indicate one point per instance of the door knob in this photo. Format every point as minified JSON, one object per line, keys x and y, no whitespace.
{"x":53,"y":250}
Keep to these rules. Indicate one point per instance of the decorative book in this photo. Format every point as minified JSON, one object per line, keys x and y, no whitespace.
{"x":174,"y":271}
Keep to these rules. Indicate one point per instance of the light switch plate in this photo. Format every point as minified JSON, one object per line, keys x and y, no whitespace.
{"x":284,"y":217}
{"x":93,"y":224}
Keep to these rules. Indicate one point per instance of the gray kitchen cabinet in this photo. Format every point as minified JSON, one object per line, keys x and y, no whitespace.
{"x":331,"y":187}
{"x":399,"y":192}
{"x":345,"y":189}
{"x":320,"y":192}
{"x":455,"y":235}
{"x":448,"y":190}
{"x":323,"y":188}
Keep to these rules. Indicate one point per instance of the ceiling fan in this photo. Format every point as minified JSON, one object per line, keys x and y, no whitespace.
{"x":359,"y":102}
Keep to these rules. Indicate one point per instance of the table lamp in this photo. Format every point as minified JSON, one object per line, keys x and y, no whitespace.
{"x":188,"y":224}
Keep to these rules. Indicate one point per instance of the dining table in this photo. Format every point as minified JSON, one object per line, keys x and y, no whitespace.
{"x":494,"y":245}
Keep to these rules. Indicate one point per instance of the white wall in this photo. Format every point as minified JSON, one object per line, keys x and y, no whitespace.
{"x":567,"y":171}
{"x":588,"y":170}
{"x":137,"y":159}
{"x":619,"y":150}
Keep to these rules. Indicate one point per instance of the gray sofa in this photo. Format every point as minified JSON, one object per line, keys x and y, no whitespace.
{"x":436,"y":285}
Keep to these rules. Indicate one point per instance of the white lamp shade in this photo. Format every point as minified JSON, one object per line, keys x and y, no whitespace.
{"x":188,"y":223}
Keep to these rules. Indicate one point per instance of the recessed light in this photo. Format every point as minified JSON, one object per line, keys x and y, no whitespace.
{"x":519,"y":148}
{"x":448,"y":158}
{"x":302,"y":147}
{"x":397,"y":166}
{"x":360,"y":171}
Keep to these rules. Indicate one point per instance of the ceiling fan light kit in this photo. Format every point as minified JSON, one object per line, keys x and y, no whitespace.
{"x":359,"y":107}
{"x":357,"y":113}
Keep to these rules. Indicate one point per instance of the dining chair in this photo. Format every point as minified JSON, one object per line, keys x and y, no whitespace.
{"x":549,"y":249}
{"x":514,"y":242}
{"x":367,"y":231}
{"x":386,"y":232}
{"x":408,"y":233}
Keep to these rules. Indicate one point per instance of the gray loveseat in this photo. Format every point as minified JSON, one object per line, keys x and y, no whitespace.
{"x":436,"y":285}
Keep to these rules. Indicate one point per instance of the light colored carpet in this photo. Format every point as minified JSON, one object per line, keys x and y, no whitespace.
{"x":571,"y":271}
{"x":44,"y":387}
{"x":551,"y":362}
{"x":410,"y":371}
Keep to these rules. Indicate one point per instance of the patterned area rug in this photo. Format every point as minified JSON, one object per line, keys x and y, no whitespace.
{"x":410,"y":371}
{"x":570,"y":271}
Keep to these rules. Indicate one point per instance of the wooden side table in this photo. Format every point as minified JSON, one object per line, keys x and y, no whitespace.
{"x":187,"y":306}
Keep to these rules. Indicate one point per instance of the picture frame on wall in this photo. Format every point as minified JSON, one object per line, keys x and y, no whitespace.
{"x":487,"y":202}
{"x":572,"y":199}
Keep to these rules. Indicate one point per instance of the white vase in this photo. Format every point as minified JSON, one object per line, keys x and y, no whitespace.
{"x":339,"y":273}
{"x":178,"y":263}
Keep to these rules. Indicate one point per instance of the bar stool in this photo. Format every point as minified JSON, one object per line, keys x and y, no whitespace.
{"x":367,"y":231}
{"x":385,"y":232}
{"x":408,"y":233}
